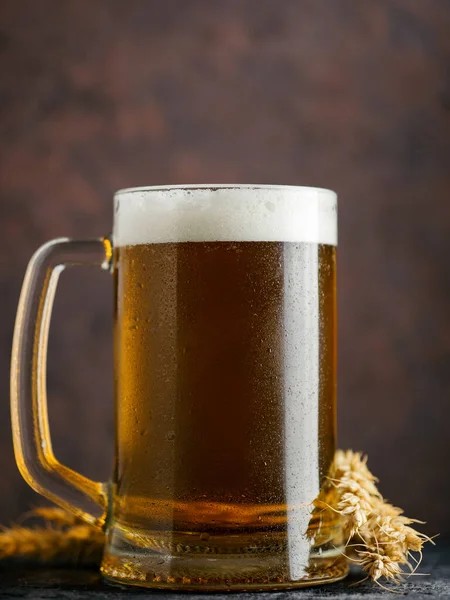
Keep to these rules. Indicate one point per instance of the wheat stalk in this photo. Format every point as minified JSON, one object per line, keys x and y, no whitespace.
{"x":63,"y":538}
{"x":380,"y":538}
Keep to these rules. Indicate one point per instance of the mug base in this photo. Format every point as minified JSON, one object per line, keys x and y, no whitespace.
{"x":240,"y":580}
{"x":245,"y":568}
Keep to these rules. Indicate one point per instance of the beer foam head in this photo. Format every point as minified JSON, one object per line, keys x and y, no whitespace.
{"x":225,"y":213}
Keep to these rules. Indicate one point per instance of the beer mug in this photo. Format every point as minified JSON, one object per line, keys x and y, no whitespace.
{"x":225,"y":387}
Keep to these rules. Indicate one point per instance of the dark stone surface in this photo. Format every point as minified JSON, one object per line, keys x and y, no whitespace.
{"x":69,"y":584}
{"x":349,"y":94}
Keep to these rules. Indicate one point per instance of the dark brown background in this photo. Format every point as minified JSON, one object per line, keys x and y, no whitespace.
{"x":348,"y":94}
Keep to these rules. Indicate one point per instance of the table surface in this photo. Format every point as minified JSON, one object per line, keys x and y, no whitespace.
{"x":37,"y":582}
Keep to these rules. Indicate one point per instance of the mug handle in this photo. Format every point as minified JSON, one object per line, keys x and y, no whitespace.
{"x":31,"y":434}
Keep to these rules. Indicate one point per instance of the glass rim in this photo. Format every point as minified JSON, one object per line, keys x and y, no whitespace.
{"x":214,"y":187}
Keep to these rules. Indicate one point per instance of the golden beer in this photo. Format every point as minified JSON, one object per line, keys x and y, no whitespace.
{"x":204,"y":362}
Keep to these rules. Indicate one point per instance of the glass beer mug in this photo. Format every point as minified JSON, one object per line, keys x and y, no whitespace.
{"x":225,"y":387}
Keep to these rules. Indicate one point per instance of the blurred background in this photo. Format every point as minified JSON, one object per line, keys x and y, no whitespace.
{"x":348,"y":94}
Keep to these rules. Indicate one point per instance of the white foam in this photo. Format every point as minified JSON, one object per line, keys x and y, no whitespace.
{"x":225,"y":213}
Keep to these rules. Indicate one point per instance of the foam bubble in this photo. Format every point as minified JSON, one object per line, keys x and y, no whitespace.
{"x":225,"y":213}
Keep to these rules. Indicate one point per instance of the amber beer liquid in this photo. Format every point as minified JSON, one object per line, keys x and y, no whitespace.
{"x":209,"y":337}
{"x":225,"y":367}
